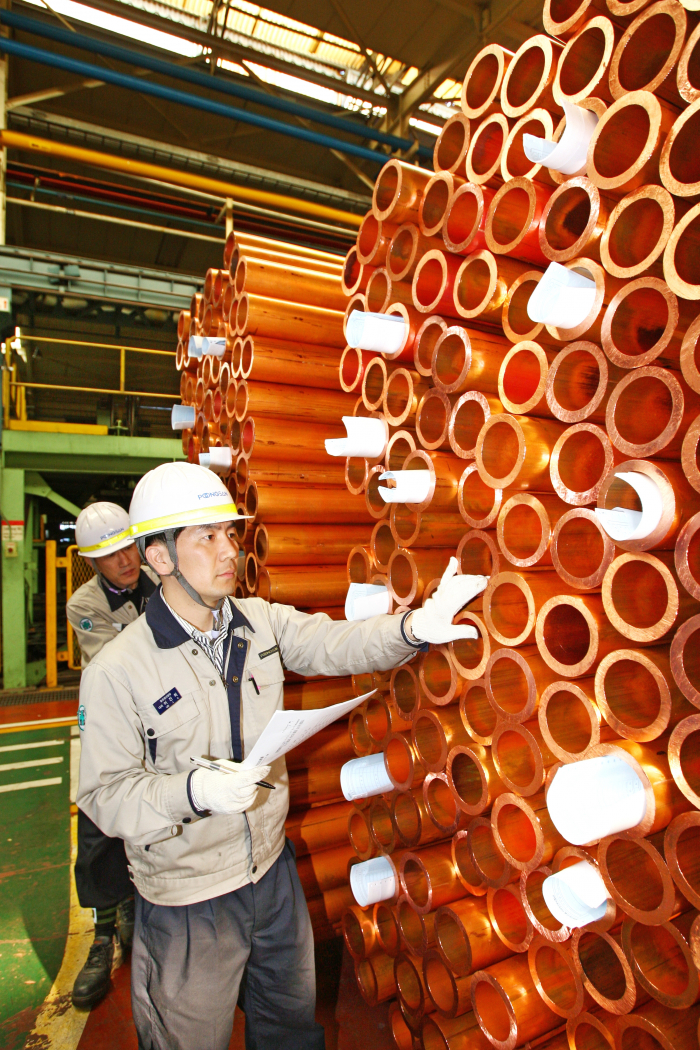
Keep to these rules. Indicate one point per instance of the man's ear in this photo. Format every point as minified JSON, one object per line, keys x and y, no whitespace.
{"x":158,"y":558}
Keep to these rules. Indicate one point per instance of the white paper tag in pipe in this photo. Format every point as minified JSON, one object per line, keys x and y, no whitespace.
{"x":366,"y":438}
{"x":365,"y":600}
{"x":411,"y":486}
{"x":183,"y":416}
{"x":216,"y":347}
{"x":576,"y":895}
{"x":562,"y":298}
{"x":218,"y":458}
{"x":195,"y":347}
{"x":568,"y":155}
{"x":595,"y":797}
{"x":364,"y":777}
{"x":382,"y":333}
{"x":372,"y":881}
{"x":623,"y":524}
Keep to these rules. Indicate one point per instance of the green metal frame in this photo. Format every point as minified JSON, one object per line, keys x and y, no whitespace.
{"x":24,"y":453}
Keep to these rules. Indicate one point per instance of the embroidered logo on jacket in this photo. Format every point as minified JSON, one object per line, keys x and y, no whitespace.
{"x":164,"y":702}
{"x":269,"y":652}
{"x":86,"y":623}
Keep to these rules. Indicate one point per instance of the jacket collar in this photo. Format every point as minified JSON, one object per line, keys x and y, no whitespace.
{"x":138,"y":594}
{"x":169,"y":634}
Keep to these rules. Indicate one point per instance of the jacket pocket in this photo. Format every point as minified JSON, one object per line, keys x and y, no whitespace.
{"x":182,"y":711}
{"x":266,"y":673}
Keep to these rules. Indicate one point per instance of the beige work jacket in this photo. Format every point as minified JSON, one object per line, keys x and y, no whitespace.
{"x":95,"y":619}
{"x":152,"y":698}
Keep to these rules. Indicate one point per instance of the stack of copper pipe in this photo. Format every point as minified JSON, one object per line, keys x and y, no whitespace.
{"x":270,"y":401}
{"x":586,"y":646}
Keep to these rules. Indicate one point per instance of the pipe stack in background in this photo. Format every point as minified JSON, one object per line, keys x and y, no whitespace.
{"x":588,"y":646}
{"x":262,"y":410}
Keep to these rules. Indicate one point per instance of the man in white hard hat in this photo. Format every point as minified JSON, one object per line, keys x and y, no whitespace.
{"x":200,"y":676}
{"x":115,"y":596}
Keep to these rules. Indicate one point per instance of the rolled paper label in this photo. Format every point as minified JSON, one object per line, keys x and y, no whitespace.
{"x":364,"y":777}
{"x":563,"y":298}
{"x":595,"y":797}
{"x":576,"y":895}
{"x":381,"y":333}
{"x":625,"y":524}
{"x":409,"y":486}
{"x":195,"y":347}
{"x":367,"y":437}
{"x":217,"y":458}
{"x":365,"y":600}
{"x":183,"y":416}
{"x":568,"y":155}
{"x":372,"y":881}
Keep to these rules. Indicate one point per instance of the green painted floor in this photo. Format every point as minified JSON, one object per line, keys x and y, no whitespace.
{"x":34,"y":870}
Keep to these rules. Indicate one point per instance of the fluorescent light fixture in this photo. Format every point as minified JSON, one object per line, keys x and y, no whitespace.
{"x":122,"y":26}
{"x":423,"y":125}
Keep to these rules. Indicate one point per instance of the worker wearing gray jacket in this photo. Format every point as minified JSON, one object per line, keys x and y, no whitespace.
{"x":200,"y":675}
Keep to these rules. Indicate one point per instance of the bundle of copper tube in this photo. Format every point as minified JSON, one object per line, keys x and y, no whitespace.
{"x":587,"y":645}
{"x":267,"y":404}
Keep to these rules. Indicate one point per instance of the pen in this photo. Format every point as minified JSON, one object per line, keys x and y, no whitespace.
{"x":206,"y":763}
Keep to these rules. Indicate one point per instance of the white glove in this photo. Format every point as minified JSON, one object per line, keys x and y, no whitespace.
{"x":433,"y":623}
{"x":232,"y":791}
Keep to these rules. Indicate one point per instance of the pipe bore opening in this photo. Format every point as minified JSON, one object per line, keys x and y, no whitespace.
{"x":478,"y":713}
{"x":474,"y":285}
{"x":378,"y":291}
{"x":469,"y":652}
{"x":567,"y":218}
{"x":492,"y":1011}
{"x":405,"y":691}
{"x":352,"y":934}
{"x":509,"y":685}
{"x":430,"y":281}
{"x":686,"y":257}
{"x":426,"y":339}
{"x":416,"y":882}
{"x":690,"y":659}
{"x":411,"y":927}
{"x":467,"y":420}
{"x":500,"y":450}
{"x":374,"y":501}
{"x":511,"y":216}
{"x":687,"y":855}
{"x":660,"y":958}
{"x":480,"y":502}
{"x":437,"y":196}
{"x":401,"y":576}
{"x":602,"y":966}
{"x":525,"y":76}
{"x":636,"y":232}
{"x":439,"y":984}
{"x":463,"y":218}
{"x":355,"y":474}
{"x":556,"y":977}
{"x":683,"y":161}
{"x":632,"y":693}
{"x":567,"y":634}
{"x":690,"y":761}
{"x":398,"y":760}
{"x":517,"y":163}
{"x":428,"y":739}
{"x":407,"y":819}
{"x":568,"y":721}
{"x":485,"y":852}
{"x":386,"y":187}
{"x":408,"y":984}
{"x":453,"y":941}
{"x":482,"y":82}
{"x":510,"y":613}
{"x":453,"y":358}
{"x":621,"y":141}
{"x":576,"y":380}
{"x":639,"y":322}
{"x":373,"y":384}
{"x":518,"y":318}
{"x":487,"y":146}
{"x":398,"y":449}
{"x":522,"y":532}
{"x":377,"y":719}
{"x":381,"y":828}
{"x":517,"y":833}
{"x":467,"y":778}
{"x":522,"y":377}
{"x":367,"y":237}
{"x":383,"y":546}
{"x":398,"y":395}
{"x":437,"y":674}
{"x":451,"y":145}
{"x":582,"y":62}
{"x":581,"y":464}
{"x":441,"y":804}
{"x":639,"y":594}
{"x":635,"y":877}
{"x":515,"y":757}
{"x":358,"y":833}
{"x":509,"y":918}
{"x":433,"y":418}
{"x":588,"y":1037}
{"x":388,"y":933}
{"x":647,"y":52}
{"x":402,"y":250}
{"x":464,"y":864}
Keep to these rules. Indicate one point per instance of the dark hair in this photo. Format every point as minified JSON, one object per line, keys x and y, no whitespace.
{"x":160,"y":537}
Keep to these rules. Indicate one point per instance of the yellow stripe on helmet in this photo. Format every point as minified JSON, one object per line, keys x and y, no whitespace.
{"x":117,"y":538}
{"x":199,"y":516}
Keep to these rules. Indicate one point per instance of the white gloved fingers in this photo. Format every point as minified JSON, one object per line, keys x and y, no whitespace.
{"x":245,"y":775}
{"x":224,"y":792}
{"x":459,"y":591}
{"x":449,"y":574}
{"x":443,"y":632}
{"x":462,"y":633}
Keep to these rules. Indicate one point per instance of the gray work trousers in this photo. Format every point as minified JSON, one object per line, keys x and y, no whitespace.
{"x":187,"y":963}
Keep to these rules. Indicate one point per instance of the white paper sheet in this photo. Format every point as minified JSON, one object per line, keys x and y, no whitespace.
{"x":365,"y":777}
{"x":288,"y":729}
{"x":366,"y":599}
{"x":563,"y":298}
{"x":569,"y":154}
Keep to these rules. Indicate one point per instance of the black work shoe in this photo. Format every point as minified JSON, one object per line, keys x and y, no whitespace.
{"x":92,"y":983}
{"x":125,"y":921}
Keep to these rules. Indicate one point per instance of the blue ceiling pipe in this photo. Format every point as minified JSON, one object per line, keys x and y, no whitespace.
{"x":205,"y":80}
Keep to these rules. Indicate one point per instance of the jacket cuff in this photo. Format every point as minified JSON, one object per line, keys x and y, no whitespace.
{"x":191,"y":798}
{"x":422,"y":647}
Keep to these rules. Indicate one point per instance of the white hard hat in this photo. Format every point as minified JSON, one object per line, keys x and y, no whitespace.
{"x":101,"y":529}
{"x":175,"y":495}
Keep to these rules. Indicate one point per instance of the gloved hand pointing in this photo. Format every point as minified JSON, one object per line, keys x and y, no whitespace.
{"x":232,"y":791}
{"x":433,"y":623}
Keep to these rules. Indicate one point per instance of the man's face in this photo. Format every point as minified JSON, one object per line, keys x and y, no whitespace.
{"x":121,"y":568}
{"x":207,"y":556}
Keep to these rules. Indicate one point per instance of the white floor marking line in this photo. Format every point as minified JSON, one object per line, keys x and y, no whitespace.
{"x":28,"y":747}
{"x":31,"y":784}
{"x":32,"y":764}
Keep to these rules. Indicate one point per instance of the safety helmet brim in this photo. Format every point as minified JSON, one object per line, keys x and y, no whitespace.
{"x":183,"y":519}
{"x":106,"y":547}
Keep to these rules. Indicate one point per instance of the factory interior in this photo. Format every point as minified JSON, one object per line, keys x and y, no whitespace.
{"x":366,"y":335}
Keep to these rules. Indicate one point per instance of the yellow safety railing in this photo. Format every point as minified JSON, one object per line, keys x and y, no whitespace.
{"x":78,"y":572}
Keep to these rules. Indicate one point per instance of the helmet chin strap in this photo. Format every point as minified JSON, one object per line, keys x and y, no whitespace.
{"x":177,"y":575}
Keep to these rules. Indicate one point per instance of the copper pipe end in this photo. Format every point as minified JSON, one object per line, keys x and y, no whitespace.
{"x":470,"y":656}
{"x":641,"y":597}
{"x":520,"y":756}
{"x":577,"y":382}
{"x":465,"y":217}
{"x":467,"y":416}
{"x":640,"y":323}
{"x":528,"y":81}
{"x":509,"y":919}
{"x":510,"y":613}
{"x":564,"y":19}
{"x":478,"y":555}
{"x":687,"y":78}
{"x":382,"y":546}
{"x":357,"y":302}
{"x":465,"y":870}
{"x":375,"y":978}
{"x":657,"y":1025}
{"x":373,"y":239}
{"x":398,"y":191}
{"x":360,"y":836}
{"x":524,"y":831}
{"x":514,"y":161}
{"x":637,"y":878}
{"x":689,"y":356}
{"x":588,"y":1031}
{"x":689,"y":454}
{"x":648,"y":52}
{"x":582,"y":70}
{"x":685,"y":659}
{"x":399,"y":447}
{"x":624,"y":150}
{"x":441,"y":804}
{"x":682,"y":852}
{"x":426,"y":338}
{"x":381,"y":827}
{"x":434,"y":280}
{"x":573,"y":221}
{"x":633,"y":693}
{"x":581,"y":460}
{"x":513,"y":218}
{"x":482,"y":82}
{"x":553,"y":973}
{"x":359,"y":933}
{"x":606,"y":974}
{"x":438,"y":193}
{"x":479,"y":502}
{"x":401,"y":761}
{"x":514,"y":316}
{"x":432,"y":420}
{"x":569,"y":720}
{"x":406,"y":250}
{"x":605,"y":288}
{"x":508,"y":1006}
{"x":681,"y":269}
{"x":387,"y":927}
{"x":524,"y":528}
{"x":414,"y":999}
{"x":483,"y":164}
{"x":637,"y":232}
{"x":478,"y":715}
{"x":522,"y":379}
{"x":488,"y":860}
{"x":401,"y":1033}
{"x":414,"y":931}
{"x":405,"y":690}
{"x":548,"y":929}
{"x":572,"y":634}
{"x":450,"y":152}
{"x":472,"y":779}
{"x":661,"y":957}
{"x":684,"y":757}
